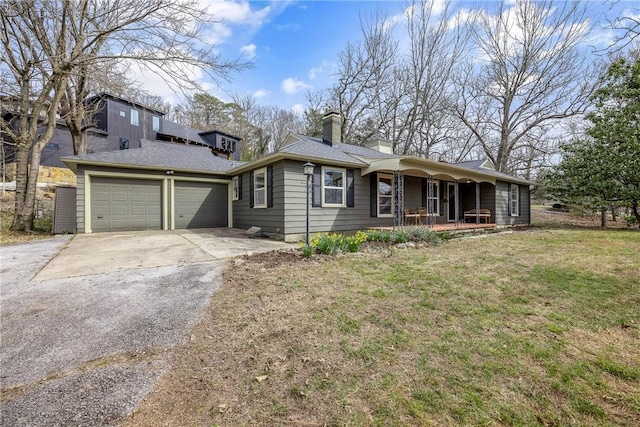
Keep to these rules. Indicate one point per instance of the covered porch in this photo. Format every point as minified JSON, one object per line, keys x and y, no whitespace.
{"x":438,"y":195}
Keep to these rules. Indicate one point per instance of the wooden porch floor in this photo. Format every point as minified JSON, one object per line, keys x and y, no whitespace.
{"x":461,"y":226}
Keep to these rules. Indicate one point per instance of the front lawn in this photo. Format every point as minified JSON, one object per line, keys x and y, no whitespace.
{"x":529,"y":328}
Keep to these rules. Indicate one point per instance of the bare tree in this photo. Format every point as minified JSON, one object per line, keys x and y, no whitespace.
{"x":528,"y":75}
{"x":45,"y":42}
{"x":402,"y":94}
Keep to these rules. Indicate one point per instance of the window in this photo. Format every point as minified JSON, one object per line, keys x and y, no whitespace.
{"x":135,"y":119}
{"x":515,"y":200}
{"x":385,"y":197}
{"x":433,"y":200}
{"x":124,"y":144}
{"x":260,"y":188}
{"x":156,"y":123}
{"x":122,"y":113}
{"x":333,"y":187}
{"x":236,"y":188}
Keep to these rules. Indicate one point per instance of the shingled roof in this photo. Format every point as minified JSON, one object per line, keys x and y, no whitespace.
{"x":158,"y":155}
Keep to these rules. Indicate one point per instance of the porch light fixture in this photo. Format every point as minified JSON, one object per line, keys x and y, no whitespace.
{"x":169,"y":172}
{"x":307,"y":169}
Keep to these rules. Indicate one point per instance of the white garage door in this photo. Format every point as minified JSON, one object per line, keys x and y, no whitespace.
{"x":200,"y":204}
{"x":120,"y":204}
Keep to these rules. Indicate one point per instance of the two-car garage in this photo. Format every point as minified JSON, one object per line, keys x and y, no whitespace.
{"x":132,"y":203}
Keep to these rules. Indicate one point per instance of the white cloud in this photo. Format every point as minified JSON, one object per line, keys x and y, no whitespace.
{"x":298,"y":109}
{"x":249,"y":50}
{"x":292,"y":85}
{"x":236,"y":12}
{"x":261,"y":93}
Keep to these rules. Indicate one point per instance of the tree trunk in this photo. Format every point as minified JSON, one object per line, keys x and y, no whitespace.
{"x":20,"y":221}
{"x":636,"y":213}
{"x":614,"y":217}
{"x":603,"y":218}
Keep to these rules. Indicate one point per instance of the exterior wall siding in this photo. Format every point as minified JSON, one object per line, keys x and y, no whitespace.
{"x":326,"y":219}
{"x":270,"y":220}
{"x":502,"y":205}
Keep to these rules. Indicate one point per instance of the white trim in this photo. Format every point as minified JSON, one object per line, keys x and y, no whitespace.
{"x":344,"y":187}
{"x":255,"y":173}
{"x":173,"y":204}
{"x":230,"y":205}
{"x":516,"y":200}
{"x":165,"y":208}
{"x":384,"y":175}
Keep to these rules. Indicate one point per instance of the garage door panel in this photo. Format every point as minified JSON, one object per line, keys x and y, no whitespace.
{"x":201,"y":205}
{"x":119,"y":204}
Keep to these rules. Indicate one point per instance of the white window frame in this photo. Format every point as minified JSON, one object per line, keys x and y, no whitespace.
{"x":344,"y":187}
{"x":155,"y":123}
{"x":122,"y":113}
{"x":262,"y":171}
{"x":135,"y":117}
{"x":236,"y":188}
{"x":390,"y":177}
{"x":436,"y":198}
{"x":515,"y":200}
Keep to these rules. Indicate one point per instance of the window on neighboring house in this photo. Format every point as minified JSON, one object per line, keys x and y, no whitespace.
{"x":135,"y":119}
{"x":156,"y":123}
{"x":260,"y":188}
{"x":236,"y":188}
{"x":515,"y":200}
{"x":333,"y":187}
{"x":122,"y":113}
{"x":385,"y":198}
{"x":433,"y":200}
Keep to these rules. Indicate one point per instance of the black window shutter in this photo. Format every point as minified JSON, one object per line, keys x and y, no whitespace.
{"x":350,"y":189}
{"x":240,"y":187}
{"x":509,"y":201}
{"x":270,"y":186}
{"x":373,"y":194}
{"x":316,"y":187}
{"x":251,"y":189}
{"x":425,"y":188}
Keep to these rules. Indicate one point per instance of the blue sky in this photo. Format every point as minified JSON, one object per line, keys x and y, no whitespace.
{"x":294,"y":44}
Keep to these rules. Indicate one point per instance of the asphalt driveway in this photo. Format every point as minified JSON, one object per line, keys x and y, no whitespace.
{"x":87,"y":338}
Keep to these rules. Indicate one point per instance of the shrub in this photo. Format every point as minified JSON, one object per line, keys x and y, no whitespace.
{"x":631,"y":219}
{"x":399,"y":236}
{"x":307,"y":250}
{"x":378,"y":236}
{"x":422,"y":234}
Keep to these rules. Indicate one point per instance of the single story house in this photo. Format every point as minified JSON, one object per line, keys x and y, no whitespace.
{"x":164,"y":185}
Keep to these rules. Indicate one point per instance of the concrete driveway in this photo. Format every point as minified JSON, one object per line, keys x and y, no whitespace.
{"x":87,"y":338}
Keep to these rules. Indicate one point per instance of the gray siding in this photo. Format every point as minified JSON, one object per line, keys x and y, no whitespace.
{"x":413,"y":197}
{"x":64,"y":215}
{"x":502,"y":205}
{"x":326,"y":219}
{"x":468,"y":198}
{"x":270,"y":220}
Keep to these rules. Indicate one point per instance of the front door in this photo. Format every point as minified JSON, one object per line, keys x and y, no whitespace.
{"x":451,"y":197}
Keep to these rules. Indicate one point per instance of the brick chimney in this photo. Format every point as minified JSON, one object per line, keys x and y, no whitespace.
{"x":331,"y":128}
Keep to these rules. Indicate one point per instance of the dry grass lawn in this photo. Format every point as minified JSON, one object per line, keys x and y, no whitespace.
{"x":536,"y":327}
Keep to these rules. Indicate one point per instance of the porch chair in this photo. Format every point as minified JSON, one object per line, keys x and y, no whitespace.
{"x":408,"y":214}
{"x":422,"y":211}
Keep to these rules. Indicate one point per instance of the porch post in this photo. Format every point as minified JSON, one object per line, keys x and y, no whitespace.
{"x":430,"y":200}
{"x":398,"y":198}
{"x":456,"y":199}
{"x":477,"y":203}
